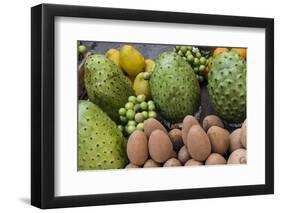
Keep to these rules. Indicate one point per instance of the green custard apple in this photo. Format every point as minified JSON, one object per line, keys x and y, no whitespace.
{"x":174,"y":87}
{"x":106,"y":84}
{"x":227,"y":86}
{"x":101,"y":144}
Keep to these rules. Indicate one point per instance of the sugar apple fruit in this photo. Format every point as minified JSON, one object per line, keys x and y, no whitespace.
{"x":174,"y":87}
{"x":227,"y":86}
{"x":106,"y":85}
{"x":101,"y":145}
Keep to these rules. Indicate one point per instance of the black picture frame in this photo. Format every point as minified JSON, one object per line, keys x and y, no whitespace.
{"x":43,"y":102}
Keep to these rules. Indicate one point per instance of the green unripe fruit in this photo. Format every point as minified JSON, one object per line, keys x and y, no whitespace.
{"x":129,"y":105}
{"x":198,"y":54}
{"x":177,"y":48}
{"x":130,"y":114}
{"x":152,"y":114}
{"x":196,"y":69}
{"x":202,"y":69}
{"x":189,"y":48}
{"x":139,"y":117}
{"x":82,"y":49}
{"x":184,"y":49}
{"x":132,"y":99}
{"x":190,"y":58}
{"x":140,"y":126}
{"x":143,"y":105}
{"x":122,"y":111}
{"x":188,"y":52}
{"x":146,"y":75}
{"x":202,"y":60}
{"x":150,"y":102}
{"x":137,"y":108}
{"x":151,"y":107}
{"x":145,"y":114}
{"x":141,"y":98}
{"x":196,"y":61}
{"x":180,"y":53}
{"x":132,"y":123}
{"x":130,"y":129}
{"x":123,"y":119}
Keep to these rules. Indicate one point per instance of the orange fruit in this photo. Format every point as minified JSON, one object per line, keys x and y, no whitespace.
{"x":241,"y":51}
{"x":219,"y":50}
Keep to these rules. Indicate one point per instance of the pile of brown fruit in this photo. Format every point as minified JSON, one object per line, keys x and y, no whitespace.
{"x":193,"y":145}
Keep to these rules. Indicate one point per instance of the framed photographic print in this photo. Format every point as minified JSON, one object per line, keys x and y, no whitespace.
{"x":140,"y":106}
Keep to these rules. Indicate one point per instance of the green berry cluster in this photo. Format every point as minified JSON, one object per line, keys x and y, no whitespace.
{"x":135,"y":112}
{"x":196,"y":58}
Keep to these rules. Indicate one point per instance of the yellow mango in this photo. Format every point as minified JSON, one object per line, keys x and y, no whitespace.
{"x":114,"y":55}
{"x":149,"y":65}
{"x":141,"y":86}
{"x":131,"y":60}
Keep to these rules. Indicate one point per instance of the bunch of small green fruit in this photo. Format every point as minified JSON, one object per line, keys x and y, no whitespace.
{"x":195,"y":57}
{"x":135,"y":112}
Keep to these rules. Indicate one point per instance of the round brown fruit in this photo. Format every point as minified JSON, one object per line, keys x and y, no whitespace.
{"x":172,"y":162}
{"x":215,"y":159}
{"x":193,"y":162}
{"x":198,"y":143}
{"x":176,"y":138}
{"x":131,"y":166}
{"x":239,"y":156}
{"x":151,"y":163}
{"x":152,"y":124}
{"x":235,"y":140}
{"x":244,"y":134}
{"x":219,"y":139}
{"x":183,"y":155}
{"x":187,"y":123}
{"x":137,"y":148}
{"x":212,"y":120}
{"x":160,"y":146}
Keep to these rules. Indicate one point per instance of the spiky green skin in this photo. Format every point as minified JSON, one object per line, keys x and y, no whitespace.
{"x":106,"y":85}
{"x":227,"y":86}
{"x":174,"y":87}
{"x":101,"y":143}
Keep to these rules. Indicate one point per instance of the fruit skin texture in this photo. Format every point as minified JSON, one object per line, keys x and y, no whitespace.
{"x":174,"y":87}
{"x":227,"y":86}
{"x":101,"y":143}
{"x":241,"y":51}
{"x":114,"y":55}
{"x":106,"y":85}
{"x":198,"y":143}
{"x":137,"y":148}
{"x":131,"y":60}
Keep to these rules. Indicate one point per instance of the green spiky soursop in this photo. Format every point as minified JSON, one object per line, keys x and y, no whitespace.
{"x":106,"y":85}
{"x":227,"y":86}
{"x":101,"y":144}
{"x":174,"y":87}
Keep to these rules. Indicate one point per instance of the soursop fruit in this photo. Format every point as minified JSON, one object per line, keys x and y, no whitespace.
{"x":174,"y":87}
{"x":106,"y":84}
{"x":227,"y":86}
{"x":101,"y":144}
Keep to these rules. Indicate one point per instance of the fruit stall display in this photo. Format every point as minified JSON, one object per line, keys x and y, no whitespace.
{"x":148,"y":105}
